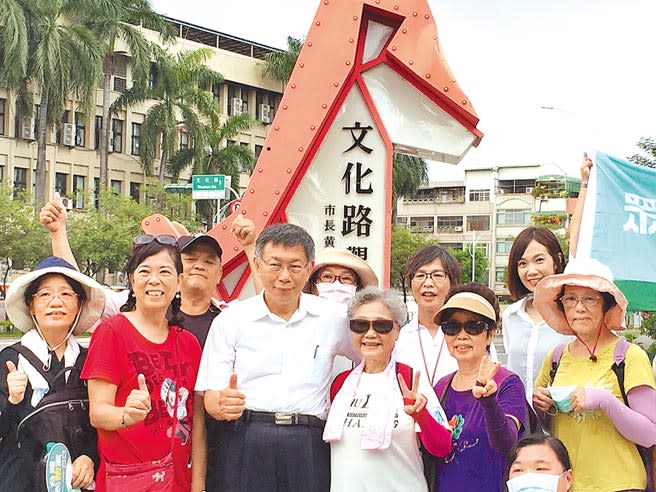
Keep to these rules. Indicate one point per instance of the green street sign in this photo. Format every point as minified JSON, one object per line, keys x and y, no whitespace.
{"x":208,"y":186}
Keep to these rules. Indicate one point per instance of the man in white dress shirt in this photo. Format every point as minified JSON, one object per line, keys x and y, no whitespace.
{"x":265,"y":374}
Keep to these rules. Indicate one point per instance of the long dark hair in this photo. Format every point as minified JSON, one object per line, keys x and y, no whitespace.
{"x":138,"y":256}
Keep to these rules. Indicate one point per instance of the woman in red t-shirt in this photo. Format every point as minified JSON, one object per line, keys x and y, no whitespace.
{"x":139,"y":365}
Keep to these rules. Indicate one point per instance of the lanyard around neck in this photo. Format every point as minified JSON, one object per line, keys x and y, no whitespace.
{"x":423,"y":356}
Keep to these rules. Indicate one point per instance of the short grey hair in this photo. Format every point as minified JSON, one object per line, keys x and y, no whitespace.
{"x":388,"y":297}
{"x":288,"y":235}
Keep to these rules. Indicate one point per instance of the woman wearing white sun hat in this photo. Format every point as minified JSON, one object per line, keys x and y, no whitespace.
{"x":48,"y":305}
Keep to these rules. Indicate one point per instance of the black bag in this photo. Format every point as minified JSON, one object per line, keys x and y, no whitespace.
{"x":60,"y":416}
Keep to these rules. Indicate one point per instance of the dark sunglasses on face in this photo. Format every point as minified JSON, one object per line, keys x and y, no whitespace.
{"x":473,"y":327}
{"x":361,"y":326}
{"x":164,"y":239}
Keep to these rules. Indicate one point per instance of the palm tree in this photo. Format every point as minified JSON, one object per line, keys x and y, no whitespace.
{"x":63,"y":62}
{"x":13,"y":43}
{"x":217,"y":157}
{"x":118,"y":24}
{"x":279,"y":65}
{"x":179,"y":103}
{"x":408,"y":174}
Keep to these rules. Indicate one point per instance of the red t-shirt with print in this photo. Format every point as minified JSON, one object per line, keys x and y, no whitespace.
{"x":118,"y":353}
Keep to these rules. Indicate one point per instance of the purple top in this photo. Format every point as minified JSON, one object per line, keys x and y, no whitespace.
{"x":473,"y":464}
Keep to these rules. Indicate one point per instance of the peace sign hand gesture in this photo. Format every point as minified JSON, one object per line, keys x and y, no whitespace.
{"x":413,"y":401}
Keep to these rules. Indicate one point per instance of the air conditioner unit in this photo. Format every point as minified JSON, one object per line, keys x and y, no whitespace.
{"x":27,"y":128}
{"x":68,"y":134}
{"x":236,"y":106}
{"x":529,"y":189}
{"x":265,"y":113}
{"x":458,"y":228}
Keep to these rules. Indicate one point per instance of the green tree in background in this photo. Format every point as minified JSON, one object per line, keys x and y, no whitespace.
{"x":279,"y":65}
{"x":465,"y":260}
{"x":404,"y":244}
{"x":648,"y":147}
{"x":179,"y":103}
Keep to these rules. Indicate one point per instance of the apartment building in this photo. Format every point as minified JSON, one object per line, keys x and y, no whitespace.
{"x":488,"y":208}
{"x":72,"y":152}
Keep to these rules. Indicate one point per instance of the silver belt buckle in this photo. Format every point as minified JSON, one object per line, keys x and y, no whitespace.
{"x":285,"y":418}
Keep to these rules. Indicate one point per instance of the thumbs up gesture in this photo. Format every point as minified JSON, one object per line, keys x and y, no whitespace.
{"x":137,"y":404}
{"x":16,"y":383}
{"x":53,"y":215}
{"x":231,"y":401}
{"x":413,"y":401}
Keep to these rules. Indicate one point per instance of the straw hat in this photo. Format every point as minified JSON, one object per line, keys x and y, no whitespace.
{"x":332,"y":256}
{"x":585,"y":272}
{"x":19,"y":312}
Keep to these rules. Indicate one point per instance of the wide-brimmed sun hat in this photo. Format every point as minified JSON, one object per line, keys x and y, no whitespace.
{"x":467,"y":301}
{"x":585,"y":272}
{"x":332,"y":256}
{"x":90,"y":311}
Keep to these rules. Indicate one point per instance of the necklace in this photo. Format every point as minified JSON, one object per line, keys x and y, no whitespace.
{"x":423,"y":356}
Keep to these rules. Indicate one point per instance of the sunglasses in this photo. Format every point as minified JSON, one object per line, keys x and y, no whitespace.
{"x":165,"y":239}
{"x":473,"y":327}
{"x":361,"y":326}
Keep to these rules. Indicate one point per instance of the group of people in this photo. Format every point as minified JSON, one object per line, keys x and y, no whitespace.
{"x":319,"y":382}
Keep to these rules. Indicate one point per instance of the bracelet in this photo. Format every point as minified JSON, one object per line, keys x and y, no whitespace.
{"x":584,"y":184}
{"x":123,"y":422}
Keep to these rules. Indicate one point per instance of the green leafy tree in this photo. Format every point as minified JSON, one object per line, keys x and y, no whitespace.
{"x":648,"y":155}
{"x":465,"y":260}
{"x":64,"y":62}
{"x":279,"y":65}
{"x":408,"y":174}
{"x":118,"y":24}
{"x":179,"y":103}
{"x":13,"y":43}
{"x":404,"y":244}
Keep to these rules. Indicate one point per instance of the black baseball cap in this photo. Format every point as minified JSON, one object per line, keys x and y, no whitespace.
{"x":185,"y":242}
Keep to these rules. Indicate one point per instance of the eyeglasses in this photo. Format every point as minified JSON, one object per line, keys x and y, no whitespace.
{"x":275,"y":266}
{"x":381,"y":326}
{"x":570,"y":300}
{"x":472,"y":327}
{"x":165,"y":239}
{"x":329,"y":278}
{"x":437,"y":276}
{"x":46,"y":296}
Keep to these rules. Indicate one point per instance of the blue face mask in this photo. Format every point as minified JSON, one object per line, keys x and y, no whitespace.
{"x":534,"y":482}
{"x":562,"y":397}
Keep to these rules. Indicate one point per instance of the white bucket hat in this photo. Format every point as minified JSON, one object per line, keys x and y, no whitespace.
{"x":19,"y":312}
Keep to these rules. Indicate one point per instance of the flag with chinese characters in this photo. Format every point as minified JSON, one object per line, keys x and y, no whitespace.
{"x":618,"y":226}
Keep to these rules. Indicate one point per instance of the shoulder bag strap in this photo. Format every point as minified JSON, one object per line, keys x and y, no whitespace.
{"x":556,"y":355}
{"x":619,"y":357}
{"x":34,"y":361}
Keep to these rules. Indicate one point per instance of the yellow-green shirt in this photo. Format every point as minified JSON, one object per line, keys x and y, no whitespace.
{"x":602,"y":459}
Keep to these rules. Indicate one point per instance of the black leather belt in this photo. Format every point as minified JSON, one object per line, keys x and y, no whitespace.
{"x":282,"y":418}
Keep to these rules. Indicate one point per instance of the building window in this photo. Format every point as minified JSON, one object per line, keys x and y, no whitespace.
{"x":479,"y":195}
{"x":80,"y":130}
{"x":59,"y":136}
{"x":60,"y":183}
{"x":78,"y":189}
{"x":154,"y":75}
{"x":258,"y":150}
{"x":20,"y":179}
{"x":514,"y":217}
{"x":500,"y":275}
{"x":135,"y":191}
{"x":115,"y":186}
{"x":504,"y":245}
{"x":120,"y":73}
{"x":216,"y":93}
{"x":401,"y":220}
{"x":117,"y":135}
{"x":422,"y":224}
{"x":452,"y":195}
{"x":96,"y":192}
{"x":97,"y":128}
{"x":3,"y":105}
{"x":478,"y":223}
{"x":516,"y":185}
{"x":449,"y":224}
{"x":136,"y":138}
{"x":184,"y":140}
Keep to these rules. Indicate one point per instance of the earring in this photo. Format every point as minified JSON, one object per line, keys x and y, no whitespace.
{"x":177,"y":295}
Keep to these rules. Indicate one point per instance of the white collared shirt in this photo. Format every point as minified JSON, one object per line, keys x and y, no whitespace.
{"x":281,"y":366}
{"x":527,"y":343}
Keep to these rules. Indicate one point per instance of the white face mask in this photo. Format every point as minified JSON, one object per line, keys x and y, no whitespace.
{"x":336,"y":291}
{"x":534,"y":482}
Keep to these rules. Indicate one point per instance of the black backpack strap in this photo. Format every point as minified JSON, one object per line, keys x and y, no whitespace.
{"x":619,"y":364}
{"x":556,"y":355}
{"x":34,"y":361}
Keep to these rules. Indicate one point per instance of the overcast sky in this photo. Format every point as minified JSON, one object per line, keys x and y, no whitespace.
{"x":592,"y":61}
